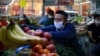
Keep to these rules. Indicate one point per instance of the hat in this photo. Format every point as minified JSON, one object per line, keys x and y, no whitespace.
{"x":62,"y":13}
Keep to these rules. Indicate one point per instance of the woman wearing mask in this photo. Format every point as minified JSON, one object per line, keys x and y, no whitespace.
{"x":48,"y":19}
{"x":64,"y":33}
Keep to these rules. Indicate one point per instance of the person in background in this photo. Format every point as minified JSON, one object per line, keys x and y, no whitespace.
{"x":94,"y":32}
{"x":47,"y":19}
{"x":64,"y":33}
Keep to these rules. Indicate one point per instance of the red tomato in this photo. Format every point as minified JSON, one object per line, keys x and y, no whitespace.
{"x":51,"y":47}
{"x":46,"y":51}
{"x":37,"y":47}
{"x":54,"y":54}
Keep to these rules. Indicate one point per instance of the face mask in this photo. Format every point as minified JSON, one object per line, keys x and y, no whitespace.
{"x":58,"y":24}
{"x":50,"y":16}
{"x":97,"y":21}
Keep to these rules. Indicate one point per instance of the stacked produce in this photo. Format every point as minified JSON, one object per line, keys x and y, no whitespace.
{"x":46,"y":47}
{"x":13,"y":36}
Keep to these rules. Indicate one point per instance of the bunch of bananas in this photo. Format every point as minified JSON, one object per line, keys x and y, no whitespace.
{"x":13,"y":36}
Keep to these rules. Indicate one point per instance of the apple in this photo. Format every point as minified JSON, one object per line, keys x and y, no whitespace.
{"x":47,"y":35}
{"x":31,"y":32}
{"x":51,"y":47}
{"x":44,"y":41}
{"x":51,"y":42}
{"x":4,"y":23}
{"x":38,"y":32}
{"x":26,"y":29}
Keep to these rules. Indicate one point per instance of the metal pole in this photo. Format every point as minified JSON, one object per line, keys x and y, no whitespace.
{"x":80,"y":7}
{"x":58,"y":4}
{"x":43,"y":8}
{"x":32,"y":8}
{"x":32,"y":5}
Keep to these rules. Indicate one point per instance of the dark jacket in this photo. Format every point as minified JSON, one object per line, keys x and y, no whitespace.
{"x":46,"y":21}
{"x":67,"y":36}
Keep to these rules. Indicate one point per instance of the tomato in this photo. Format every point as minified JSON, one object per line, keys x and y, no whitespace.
{"x":37,"y":47}
{"x":41,"y":51}
{"x":46,"y":51}
{"x":54,"y":54}
{"x":43,"y":54}
{"x":51,"y":47}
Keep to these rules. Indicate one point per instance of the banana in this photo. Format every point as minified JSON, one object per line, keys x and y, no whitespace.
{"x":5,"y":40}
{"x":21,"y":39}
{"x":16,"y":38}
{"x":19,"y":31}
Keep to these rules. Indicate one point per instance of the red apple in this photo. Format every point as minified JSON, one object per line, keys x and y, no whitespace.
{"x":51,"y":42}
{"x":26,"y":29}
{"x":31,"y":32}
{"x":47,"y":35}
{"x":38,"y":32}
{"x":44,"y":41}
{"x":4,"y":23}
{"x":51,"y":47}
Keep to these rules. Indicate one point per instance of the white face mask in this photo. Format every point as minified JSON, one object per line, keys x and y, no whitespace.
{"x":58,"y":24}
{"x":97,"y":21}
{"x":50,"y":16}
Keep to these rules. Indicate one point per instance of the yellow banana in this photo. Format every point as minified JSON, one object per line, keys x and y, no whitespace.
{"x":16,"y":38}
{"x":21,"y":39}
{"x":5,"y":40}
{"x":19,"y":31}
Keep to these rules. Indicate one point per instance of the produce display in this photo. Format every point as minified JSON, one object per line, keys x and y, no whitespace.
{"x":40,"y":43}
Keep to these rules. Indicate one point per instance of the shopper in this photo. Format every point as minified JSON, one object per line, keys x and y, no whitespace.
{"x":64,"y":33}
{"x":94,"y":30}
{"x":94,"y":33}
{"x":47,"y":19}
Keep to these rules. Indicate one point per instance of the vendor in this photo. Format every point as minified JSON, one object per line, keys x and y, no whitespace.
{"x":64,"y":33}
